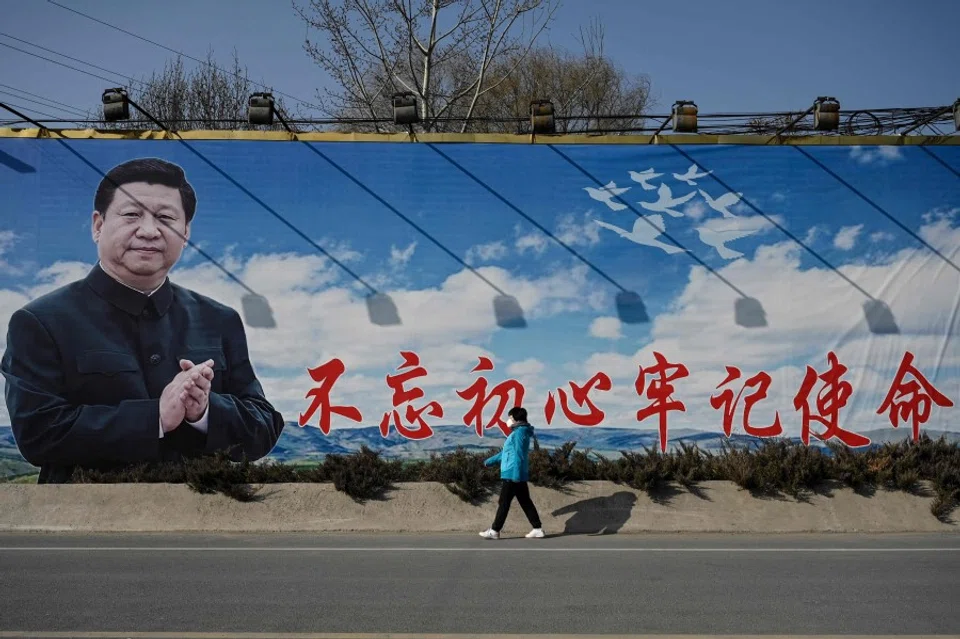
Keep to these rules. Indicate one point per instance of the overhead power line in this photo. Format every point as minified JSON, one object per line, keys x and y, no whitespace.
{"x":181,"y":53}
{"x":858,"y":122}
{"x":66,"y":107}
{"x":46,"y":106}
{"x":25,"y":108}
{"x":112,"y":81}
{"x":63,"y":55}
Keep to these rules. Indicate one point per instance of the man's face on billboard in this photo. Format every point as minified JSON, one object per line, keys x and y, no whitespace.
{"x":142,"y":233}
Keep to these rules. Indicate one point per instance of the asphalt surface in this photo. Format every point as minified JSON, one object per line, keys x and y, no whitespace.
{"x":628,"y":584}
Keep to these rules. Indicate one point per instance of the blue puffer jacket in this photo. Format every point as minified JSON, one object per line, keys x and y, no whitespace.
{"x":514,"y":464}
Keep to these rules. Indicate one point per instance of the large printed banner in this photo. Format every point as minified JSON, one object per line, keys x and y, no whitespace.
{"x":406,"y":295}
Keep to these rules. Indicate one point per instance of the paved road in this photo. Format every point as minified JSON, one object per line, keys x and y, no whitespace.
{"x":722,"y":584}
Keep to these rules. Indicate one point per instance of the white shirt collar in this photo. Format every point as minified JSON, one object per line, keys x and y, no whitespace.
{"x":127,"y":285}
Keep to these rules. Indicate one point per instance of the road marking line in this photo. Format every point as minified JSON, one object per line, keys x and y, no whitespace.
{"x":453,"y":549}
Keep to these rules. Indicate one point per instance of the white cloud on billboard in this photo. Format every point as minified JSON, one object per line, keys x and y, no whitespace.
{"x":606,"y":328}
{"x":810,"y":311}
{"x":846,"y":237}
{"x":489,"y":252}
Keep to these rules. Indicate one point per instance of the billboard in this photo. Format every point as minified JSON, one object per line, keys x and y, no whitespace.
{"x":405,"y":295}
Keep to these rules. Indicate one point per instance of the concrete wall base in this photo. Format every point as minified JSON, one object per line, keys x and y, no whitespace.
{"x":586,"y":507}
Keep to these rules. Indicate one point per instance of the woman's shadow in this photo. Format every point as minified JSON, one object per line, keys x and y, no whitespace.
{"x":598,"y":515}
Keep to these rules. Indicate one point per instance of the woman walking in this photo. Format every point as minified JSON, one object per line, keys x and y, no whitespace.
{"x":514,"y":473}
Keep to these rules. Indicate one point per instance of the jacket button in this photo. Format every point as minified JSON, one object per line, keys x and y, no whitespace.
{"x":155,"y":359}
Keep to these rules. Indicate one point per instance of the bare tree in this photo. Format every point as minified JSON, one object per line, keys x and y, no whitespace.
{"x":449,"y":53}
{"x":589,"y":91}
{"x":209,"y":96}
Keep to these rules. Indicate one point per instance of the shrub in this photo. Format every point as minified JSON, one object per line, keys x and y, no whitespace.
{"x":648,"y":471}
{"x":206,"y":475}
{"x":769,"y":467}
{"x":690,"y":465}
{"x":462,"y":473}
{"x":557,"y":468}
{"x":774,"y":466}
{"x":851,"y":468}
{"x":362,"y":475}
{"x":220,"y":475}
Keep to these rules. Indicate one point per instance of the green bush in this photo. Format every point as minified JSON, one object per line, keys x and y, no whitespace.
{"x":648,"y":471}
{"x":463,"y":474}
{"x":773,"y":467}
{"x":557,"y":468}
{"x":769,"y":467}
{"x":362,"y":475}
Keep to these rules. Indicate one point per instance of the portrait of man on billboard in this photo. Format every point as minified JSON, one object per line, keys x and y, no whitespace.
{"x":123,"y":366}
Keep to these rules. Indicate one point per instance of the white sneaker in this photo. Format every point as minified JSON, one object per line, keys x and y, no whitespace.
{"x":490,"y":533}
{"x":536,"y":533}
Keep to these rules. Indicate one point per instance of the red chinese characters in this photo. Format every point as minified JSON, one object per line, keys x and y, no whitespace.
{"x":911,"y":399}
{"x":821,"y":397}
{"x":659,"y":391}
{"x":477,"y":393}
{"x":726,"y":400}
{"x":832,"y":397}
{"x":581,"y":395}
{"x":401,"y":395}
{"x":326,"y":376}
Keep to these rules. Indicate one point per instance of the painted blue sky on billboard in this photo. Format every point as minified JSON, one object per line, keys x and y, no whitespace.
{"x":572,"y":326}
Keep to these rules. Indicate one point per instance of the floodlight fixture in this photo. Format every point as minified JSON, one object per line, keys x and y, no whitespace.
{"x":826,"y":114}
{"x":260,"y":109}
{"x":542,"y":118}
{"x":405,"y":108}
{"x":684,"y":116}
{"x":116,"y":104}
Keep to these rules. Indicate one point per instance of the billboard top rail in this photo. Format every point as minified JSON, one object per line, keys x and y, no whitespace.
{"x":491,"y":138}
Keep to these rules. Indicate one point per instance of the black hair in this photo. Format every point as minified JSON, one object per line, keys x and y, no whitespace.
{"x":519,"y":414}
{"x":151,"y":171}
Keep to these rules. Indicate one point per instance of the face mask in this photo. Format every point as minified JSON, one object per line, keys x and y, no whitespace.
{"x":510,"y":422}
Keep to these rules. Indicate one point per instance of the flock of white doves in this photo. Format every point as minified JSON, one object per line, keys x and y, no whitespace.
{"x":647,"y":229}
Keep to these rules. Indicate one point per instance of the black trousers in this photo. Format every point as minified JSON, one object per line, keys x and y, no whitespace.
{"x":521,"y":491}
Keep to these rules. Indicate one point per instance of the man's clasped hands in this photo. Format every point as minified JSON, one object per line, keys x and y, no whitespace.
{"x":187,"y":395}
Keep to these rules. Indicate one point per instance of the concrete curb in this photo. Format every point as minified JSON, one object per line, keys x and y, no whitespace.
{"x":586,"y":507}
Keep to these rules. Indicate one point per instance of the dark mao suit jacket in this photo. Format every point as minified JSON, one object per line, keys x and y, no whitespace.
{"x":85,"y":366}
